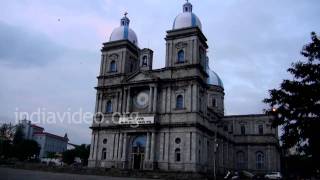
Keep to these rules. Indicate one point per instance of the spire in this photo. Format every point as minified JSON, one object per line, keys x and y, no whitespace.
{"x":187,"y":7}
{"x":125,"y":21}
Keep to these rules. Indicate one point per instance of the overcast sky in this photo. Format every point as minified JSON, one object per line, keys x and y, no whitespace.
{"x":50,"y":50}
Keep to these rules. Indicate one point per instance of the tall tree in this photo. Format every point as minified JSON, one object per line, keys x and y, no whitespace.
{"x":81,"y":152}
{"x":26,"y":149}
{"x":6,"y":132}
{"x":18,"y":135}
{"x":296,"y":104}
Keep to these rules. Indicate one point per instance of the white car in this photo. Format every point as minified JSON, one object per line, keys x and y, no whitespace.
{"x":273,"y":175}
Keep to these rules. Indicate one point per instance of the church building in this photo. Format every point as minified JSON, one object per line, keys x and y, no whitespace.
{"x":172,"y":119}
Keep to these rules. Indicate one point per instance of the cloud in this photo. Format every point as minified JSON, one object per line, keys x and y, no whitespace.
{"x":20,"y":47}
{"x":53,"y":64}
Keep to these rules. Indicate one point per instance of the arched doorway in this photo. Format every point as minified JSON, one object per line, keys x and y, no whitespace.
{"x":138,"y":151}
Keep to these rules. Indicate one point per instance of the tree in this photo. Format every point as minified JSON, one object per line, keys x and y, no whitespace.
{"x":296,"y":104}
{"x":18,"y":135}
{"x":81,"y":151}
{"x":68,"y":156}
{"x":5,"y":149}
{"x":6,"y":132}
{"x":6,"y":136}
{"x":26,"y":149}
{"x":51,"y":155}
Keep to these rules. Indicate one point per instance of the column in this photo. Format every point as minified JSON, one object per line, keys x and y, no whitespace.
{"x":124,"y":147}
{"x":167,"y":146}
{"x":116,"y":146}
{"x":116,"y":102}
{"x":163,"y":103}
{"x":194,"y":148}
{"x":188,"y":147}
{"x":120,"y":147}
{"x":161,"y":155}
{"x":190,"y":95}
{"x":124,"y":100}
{"x":97,"y":103}
{"x":101,"y":64}
{"x":92,"y":146}
{"x":120,"y":102}
{"x":153,"y":139}
{"x":150,"y":98}
{"x":155,"y":95}
{"x":194,"y":97}
{"x":96,"y":146}
{"x":105,"y":65}
{"x":128,"y":101}
{"x":147,"y":147}
{"x":168,"y":99}
{"x":267,"y":156}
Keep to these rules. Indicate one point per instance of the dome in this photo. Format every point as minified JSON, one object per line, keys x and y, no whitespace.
{"x":213,"y":78}
{"x":124,"y":32}
{"x":187,"y":18}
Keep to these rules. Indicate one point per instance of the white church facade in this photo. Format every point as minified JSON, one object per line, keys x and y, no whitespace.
{"x":181,"y":124}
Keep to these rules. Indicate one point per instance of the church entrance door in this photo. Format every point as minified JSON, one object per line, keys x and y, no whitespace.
{"x":138,"y":151}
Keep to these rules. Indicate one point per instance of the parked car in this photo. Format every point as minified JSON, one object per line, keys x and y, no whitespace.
{"x":243,"y":175}
{"x":273,"y":175}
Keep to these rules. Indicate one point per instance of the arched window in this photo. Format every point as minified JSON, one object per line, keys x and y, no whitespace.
{"x":104,"y":154}
{"x":177,"y":140}
{"x":243,"y":130}
{"x":145,"y":61}
{"x":131,"y":67}
{"x":241,"y":163}
{"x":179,"y":102}
{"x":104,"y":141}
{"x":260,"y":128}
{"x":177,"y":155}
{"x":214,"y":102}
{"x":181,"y":56}
{"x":259,"y":160}
{"x":139,"y":144}
{"x":109,"y":107}
{"x":113,"y":66}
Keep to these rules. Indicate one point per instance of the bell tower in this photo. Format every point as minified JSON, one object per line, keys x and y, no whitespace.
{"x":120,"y":55}
{"x":185,"y":43}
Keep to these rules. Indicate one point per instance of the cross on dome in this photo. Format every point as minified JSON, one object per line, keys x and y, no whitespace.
{"x":125,"y":21}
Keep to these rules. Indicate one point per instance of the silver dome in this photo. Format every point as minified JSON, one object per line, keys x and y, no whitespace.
{"x":124,"y":32}
{"x":213,"y":78}
{"x":187,"y":18}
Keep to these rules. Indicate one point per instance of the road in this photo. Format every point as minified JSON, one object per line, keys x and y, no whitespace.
{"x":19,"y":174}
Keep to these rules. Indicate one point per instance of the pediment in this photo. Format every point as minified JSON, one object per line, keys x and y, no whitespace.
{"x":141,"y":76}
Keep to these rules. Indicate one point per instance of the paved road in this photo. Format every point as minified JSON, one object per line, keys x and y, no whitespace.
{"x":19,"y":174}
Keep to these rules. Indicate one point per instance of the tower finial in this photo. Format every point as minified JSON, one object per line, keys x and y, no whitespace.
{"x":187,"y":7}
{"x":125,"y":20}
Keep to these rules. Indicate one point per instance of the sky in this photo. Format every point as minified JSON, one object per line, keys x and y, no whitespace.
{"x":50,"y":50}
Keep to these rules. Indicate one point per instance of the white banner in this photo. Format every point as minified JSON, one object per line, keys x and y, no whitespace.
{"x":137,"y":120}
